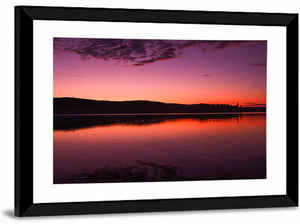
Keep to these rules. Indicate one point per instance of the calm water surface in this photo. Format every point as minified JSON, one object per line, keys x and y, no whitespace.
{"x":164,"y":147}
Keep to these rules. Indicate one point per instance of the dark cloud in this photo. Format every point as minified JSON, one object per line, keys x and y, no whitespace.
{"x":138,"y":52}
{"x":207,"y":75}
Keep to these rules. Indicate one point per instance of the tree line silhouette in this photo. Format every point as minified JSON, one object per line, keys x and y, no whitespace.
{"x":68,"y":105}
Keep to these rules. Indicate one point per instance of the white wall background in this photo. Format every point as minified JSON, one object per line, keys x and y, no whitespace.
{"x":270,"y":215}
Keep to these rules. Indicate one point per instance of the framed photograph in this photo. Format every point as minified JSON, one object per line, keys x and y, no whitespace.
{"x":121,"y":110}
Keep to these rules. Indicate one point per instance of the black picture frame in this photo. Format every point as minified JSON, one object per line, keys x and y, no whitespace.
{"x":24,"y":17}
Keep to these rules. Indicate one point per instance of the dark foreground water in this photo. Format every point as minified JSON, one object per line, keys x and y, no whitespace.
{"x":161,"y":147}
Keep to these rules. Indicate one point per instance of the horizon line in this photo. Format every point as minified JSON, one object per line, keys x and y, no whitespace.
{"x":237,"y":104}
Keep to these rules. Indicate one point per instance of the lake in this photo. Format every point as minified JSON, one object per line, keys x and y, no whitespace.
{"x":159,"y":147}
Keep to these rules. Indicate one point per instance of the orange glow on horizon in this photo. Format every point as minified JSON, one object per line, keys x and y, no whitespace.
{"x":258,"y":103}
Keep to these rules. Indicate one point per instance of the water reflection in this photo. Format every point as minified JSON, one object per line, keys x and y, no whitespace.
{"x":122,"y":148}
{"x":72,"y":122}
{"x":139,"y":171}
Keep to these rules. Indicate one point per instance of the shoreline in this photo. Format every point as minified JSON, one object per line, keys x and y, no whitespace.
{"x":164,"y":114}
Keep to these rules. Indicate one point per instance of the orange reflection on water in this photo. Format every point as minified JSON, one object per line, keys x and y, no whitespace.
{"x":210,"y":149}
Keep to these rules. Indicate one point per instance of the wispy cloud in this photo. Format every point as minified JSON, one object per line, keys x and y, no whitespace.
{"x":140,"y":52}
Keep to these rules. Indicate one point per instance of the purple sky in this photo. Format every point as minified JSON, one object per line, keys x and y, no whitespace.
{"x":178,"y":71}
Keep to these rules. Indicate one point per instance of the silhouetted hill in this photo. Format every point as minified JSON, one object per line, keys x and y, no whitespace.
{"x":68,"y":105}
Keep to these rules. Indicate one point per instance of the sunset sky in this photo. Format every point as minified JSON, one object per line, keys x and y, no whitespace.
{"x":171,"y":71}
